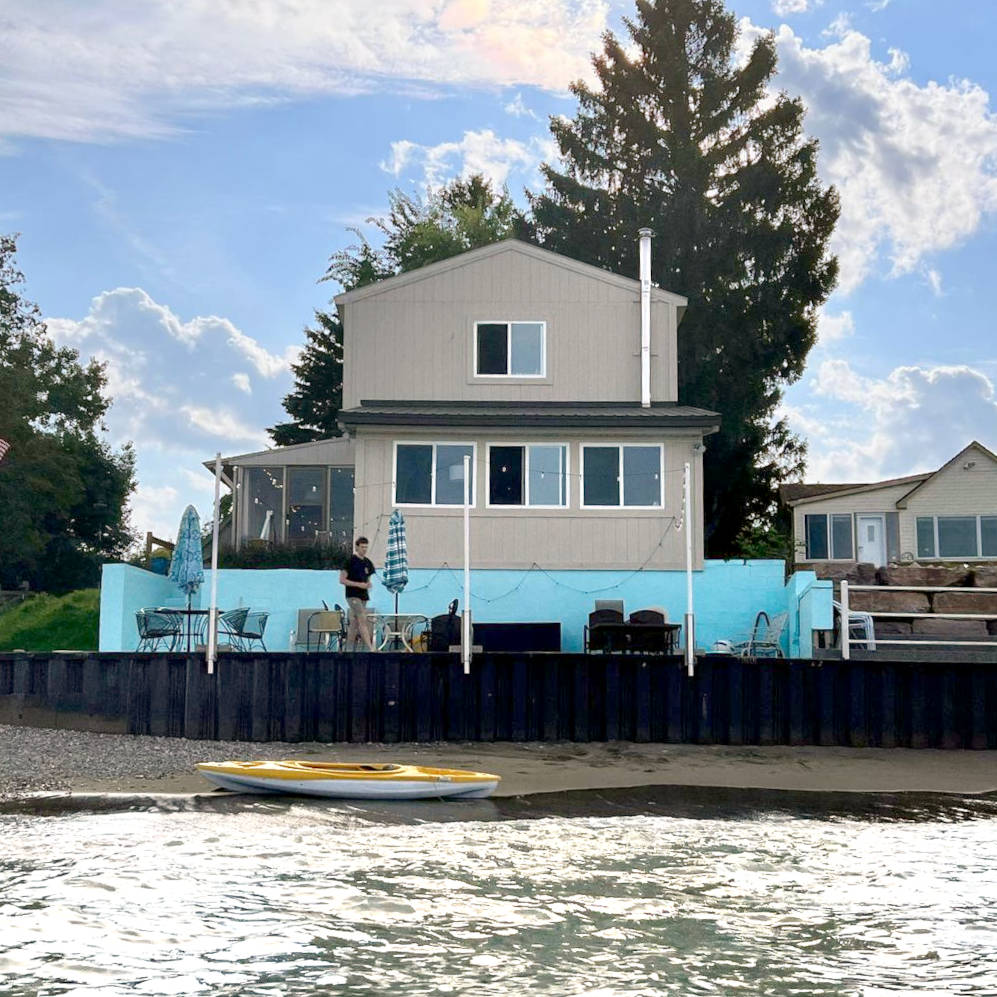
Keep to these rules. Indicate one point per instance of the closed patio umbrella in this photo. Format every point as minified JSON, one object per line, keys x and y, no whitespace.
{"x":394,"y":577}
{"x":187,"y":563}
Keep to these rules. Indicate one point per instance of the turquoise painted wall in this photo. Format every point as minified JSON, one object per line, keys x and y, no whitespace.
{"x":727,"y":596}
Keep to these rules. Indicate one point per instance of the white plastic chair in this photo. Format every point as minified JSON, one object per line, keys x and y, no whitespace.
{"x":860,"y":626}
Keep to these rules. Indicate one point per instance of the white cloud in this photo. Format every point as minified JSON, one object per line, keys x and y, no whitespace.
{"x":785,"y":7}
{"x":477,"y":152}
{"x":831,"y":328}
{"x":116,"y":69}
{"x":916,"y":166}
{"x":913,"y":419}
{"x":518,"y":109}
{"x":181,"y":391}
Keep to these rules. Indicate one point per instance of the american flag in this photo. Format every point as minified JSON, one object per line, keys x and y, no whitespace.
{"x":4,"y":447}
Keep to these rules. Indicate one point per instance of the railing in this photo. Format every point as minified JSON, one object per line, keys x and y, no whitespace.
{"x":847,"y":640}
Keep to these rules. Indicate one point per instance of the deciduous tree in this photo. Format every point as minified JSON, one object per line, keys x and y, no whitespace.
{"x":63,"y":490}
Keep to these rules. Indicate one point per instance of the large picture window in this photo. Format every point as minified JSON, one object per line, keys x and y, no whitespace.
{"x":956,"y":536}
{"x":533,"y":474}
{"x":829,"y":537}
{"x":264,"y":489}
{"x":510,"y":349}
{"x":432,"y":473}
{"x":628,"y":475}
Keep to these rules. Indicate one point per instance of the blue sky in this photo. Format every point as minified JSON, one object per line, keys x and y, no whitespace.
{"x":181,"y":172}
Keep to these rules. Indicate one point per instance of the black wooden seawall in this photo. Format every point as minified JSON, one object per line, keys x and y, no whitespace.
{"x":516,"y":697}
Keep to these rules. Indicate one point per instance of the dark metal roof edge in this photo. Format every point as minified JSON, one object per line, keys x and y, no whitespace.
{"x":355,"y":418}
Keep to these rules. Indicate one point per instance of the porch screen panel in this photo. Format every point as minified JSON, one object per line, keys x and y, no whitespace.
{"x":305,"y":503}
{"x":505,"y":476}
{"x":414,"y":474}
{"x":450,"y":473}
{"x":341,"y":505}
{"x":548,"y":480}
{"x":264,"y":493}
{"x":601,"y":476}
{"x":988,"y":536}
{"x":925,"y":536}
{"x":642,"y":476}
{"x":841,"y":537}
{"x":816,"y":529}
{"x":957,"y":536}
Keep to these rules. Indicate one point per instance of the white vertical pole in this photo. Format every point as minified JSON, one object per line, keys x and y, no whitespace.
{"x":465,"y":629}
{"x":212,"y":622}
{"x":846,"y":646}
{"x":690,"y":618}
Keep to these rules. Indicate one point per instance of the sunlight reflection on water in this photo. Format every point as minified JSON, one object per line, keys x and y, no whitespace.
{"x":294,"y":897}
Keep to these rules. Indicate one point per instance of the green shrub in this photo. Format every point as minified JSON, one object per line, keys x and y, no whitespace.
{"x":260,"y":555}
{"x":49,"y":623}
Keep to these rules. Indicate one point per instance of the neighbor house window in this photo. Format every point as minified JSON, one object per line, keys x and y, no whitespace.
{"x":622,"y":475}
{"x":535,"y":474}
{"x":829,"y":537}
{"x":432,"y":473}
{"x":341,"y":506}
{"x":956,"y":536}
{"x":305,"y":503}
{"x":510,"y":349}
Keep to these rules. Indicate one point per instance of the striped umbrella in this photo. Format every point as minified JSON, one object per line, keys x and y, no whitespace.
{"x":394,"y":577}
{"x":187,"y":563}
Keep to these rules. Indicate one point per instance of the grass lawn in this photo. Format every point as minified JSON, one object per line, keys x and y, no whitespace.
{"x":50,"y":623}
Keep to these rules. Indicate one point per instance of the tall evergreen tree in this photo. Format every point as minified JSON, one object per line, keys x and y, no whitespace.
{"x":681,"y":137}
{"x":63,"y":491}
{"x":462,"y":215}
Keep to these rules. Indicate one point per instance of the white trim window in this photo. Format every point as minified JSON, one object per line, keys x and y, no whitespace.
{"x":829,"y":536}
{"x":528,"y":474}
{"x":622,"y":475}
{"x":956,"y":536}
{"x":431,"y":473}
{"x":510,"y":349}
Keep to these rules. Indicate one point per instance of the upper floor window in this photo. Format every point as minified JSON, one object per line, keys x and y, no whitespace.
{"x":510,"y":349}
{"x":957,"y":536}
{"x":829,"y":537}
{"x":533,"y":475}
{"x":622,"y":475}
{"x":432,"y":473}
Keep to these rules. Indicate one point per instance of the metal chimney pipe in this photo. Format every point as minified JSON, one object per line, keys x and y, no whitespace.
{"x":645,"y":317}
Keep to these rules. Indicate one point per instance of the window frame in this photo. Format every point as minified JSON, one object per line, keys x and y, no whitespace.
{"x":526,"y":473}
{"x":432,"y":504}
{"x":607,"y":444}
{"x":937,"y":555}
{"x":509,"y":323}
{"x":829,"y":533}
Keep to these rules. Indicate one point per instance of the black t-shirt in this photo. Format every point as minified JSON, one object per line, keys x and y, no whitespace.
{"x":358,"y":570}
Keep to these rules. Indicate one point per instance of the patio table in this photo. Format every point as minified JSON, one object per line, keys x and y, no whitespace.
{"x":195,"y":621}
{"x":397,"y":629}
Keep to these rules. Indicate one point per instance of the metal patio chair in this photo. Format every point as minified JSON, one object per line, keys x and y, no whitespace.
{"x":765,"y":640}
{"x":252,"y":630}
{"x":155,"y":626}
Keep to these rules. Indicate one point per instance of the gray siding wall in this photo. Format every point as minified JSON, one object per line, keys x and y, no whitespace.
{"x":416,"y":341}
{"x":517,"y":537}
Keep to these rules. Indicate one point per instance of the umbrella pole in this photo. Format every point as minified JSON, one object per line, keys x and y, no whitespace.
{"x":189,"y":618}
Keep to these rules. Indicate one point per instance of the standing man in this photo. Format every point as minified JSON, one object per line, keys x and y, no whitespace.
{"x":355,"y":578}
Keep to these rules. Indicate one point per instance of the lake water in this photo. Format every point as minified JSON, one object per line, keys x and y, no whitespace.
{"x":275,"y":897}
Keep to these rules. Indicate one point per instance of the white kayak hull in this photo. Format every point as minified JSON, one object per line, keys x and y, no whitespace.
{"x":345,"y":781}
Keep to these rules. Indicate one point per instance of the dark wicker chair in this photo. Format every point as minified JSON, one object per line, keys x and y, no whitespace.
{"x":600,"y":632}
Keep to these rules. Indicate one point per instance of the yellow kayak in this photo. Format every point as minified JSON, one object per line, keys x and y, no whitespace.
{"x":348,"y":780}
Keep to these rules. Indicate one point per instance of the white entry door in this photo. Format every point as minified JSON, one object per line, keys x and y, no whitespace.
{"x":871,"y":532}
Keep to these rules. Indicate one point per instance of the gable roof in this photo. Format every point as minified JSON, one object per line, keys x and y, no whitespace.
{"x":508,"y":246}
{"x":902,"y":501}
{"x":799,"y":493}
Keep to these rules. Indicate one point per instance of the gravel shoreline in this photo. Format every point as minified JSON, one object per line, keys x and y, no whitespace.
{"x":36,"y":759}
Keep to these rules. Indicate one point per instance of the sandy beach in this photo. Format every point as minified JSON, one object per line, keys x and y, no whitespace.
{"x":36,"y":759}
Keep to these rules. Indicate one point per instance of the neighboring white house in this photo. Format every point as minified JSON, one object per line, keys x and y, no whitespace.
{"x":948,"y":514}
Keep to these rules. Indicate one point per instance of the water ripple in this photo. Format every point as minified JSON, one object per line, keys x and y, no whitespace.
{"x":296,"y":899}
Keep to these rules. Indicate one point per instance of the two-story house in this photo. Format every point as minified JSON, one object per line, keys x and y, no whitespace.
{"x":558,"y":380}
